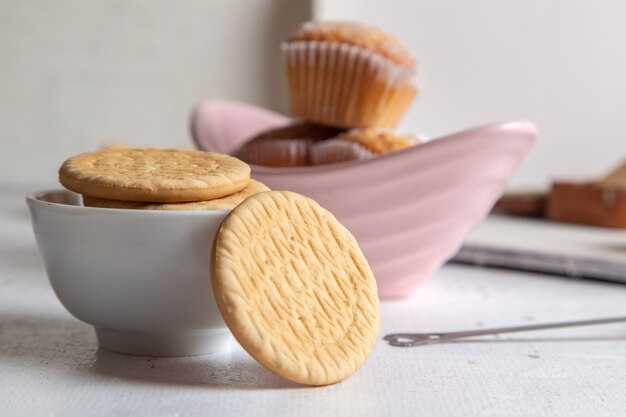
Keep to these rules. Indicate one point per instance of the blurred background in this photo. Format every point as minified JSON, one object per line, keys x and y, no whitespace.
{"x":75,"y":74}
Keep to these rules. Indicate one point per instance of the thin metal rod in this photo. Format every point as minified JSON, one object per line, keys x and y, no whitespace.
{"x":416,"y":339}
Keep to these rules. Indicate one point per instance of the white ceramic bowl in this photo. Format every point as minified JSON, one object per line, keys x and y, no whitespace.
{"x":141,"y":278}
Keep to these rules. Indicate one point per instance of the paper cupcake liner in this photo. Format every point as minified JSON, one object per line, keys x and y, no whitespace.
{"x":342,"y":85}
{"x":277,"y":152}
{"x":333,"y":151}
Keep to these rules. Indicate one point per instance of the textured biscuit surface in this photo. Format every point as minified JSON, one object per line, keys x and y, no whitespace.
{"x":295,"y":289}
{"x":154,"y":175}
{"x":224,"y":203}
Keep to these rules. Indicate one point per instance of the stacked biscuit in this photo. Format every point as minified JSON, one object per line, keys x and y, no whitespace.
{"x":159,"y":179}
{"x":349,"y":84}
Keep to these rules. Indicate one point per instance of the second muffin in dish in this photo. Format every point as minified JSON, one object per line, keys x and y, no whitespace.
{"x":286,"y":146}
{"x":359,"y":144}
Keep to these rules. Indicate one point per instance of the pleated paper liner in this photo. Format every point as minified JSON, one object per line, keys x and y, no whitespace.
{"x":276,"y":152}
{"x":342,"y":85}
{"x":333,"y":151}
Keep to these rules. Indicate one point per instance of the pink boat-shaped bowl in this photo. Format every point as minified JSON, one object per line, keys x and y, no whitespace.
{"x":410,"y":210}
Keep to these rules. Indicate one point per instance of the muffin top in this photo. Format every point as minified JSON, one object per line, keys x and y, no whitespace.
{"x":356,"y":34}
{"x":380,"y":140}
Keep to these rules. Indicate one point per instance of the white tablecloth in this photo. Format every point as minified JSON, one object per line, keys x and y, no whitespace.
{"x":50,"y":364}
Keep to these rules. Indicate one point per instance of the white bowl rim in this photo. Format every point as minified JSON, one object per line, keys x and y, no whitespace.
{"x":36,"y":199}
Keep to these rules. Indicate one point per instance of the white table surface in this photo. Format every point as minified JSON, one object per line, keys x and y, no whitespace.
{"x":50,"y":364}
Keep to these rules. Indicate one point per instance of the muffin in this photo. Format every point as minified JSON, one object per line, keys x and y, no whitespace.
{"x":286,"y":146}
{"x":361,"y":144}
{"x":348,"y":75}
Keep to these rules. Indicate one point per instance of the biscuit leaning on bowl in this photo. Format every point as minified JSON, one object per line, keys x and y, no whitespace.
{"x":286,"y":146}
{"x":289,"y":280}
{"x":223,"y":203}
{"x":358,"y":144}
{"x":295,"y":289}
{"x":348,"y":74}
{"x":154,"y":175}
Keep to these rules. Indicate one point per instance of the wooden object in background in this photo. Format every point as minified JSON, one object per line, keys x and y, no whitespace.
{"x":587,"y":203}
{"x":616,"y":178}
{"x":527,"y":204}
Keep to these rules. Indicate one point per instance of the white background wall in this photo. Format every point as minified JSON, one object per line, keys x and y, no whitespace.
{"x":74,"y":73}
{"x":558,"y":63}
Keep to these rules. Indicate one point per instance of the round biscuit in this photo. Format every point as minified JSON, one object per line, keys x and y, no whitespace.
{"x":295,"y":289}
{"x":223,"y":203}
{"x":154,"y":175}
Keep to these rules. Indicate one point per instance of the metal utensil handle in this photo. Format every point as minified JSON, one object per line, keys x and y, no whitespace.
{"x":415,"y":339}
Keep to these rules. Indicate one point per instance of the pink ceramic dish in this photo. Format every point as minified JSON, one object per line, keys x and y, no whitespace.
{"x":410,"y":210}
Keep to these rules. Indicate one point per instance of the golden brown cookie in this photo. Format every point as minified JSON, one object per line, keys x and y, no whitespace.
{"x":295,"y":289}
{"x":154,"y":175}
{"x":224,"y":203}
